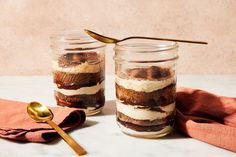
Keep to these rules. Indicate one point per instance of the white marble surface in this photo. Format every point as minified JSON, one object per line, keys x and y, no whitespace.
{"x":100,"y":135}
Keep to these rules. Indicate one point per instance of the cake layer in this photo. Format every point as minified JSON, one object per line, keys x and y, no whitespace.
{"x":127,"y":130}
{"x":161,"y":97}
{"x":158,"y":121}
{"x":81,"y":101}
{"x":75,"y":81}
{"x":144,"y":85}
{"x":137,"y":113}
{"x":83,"y":90}
{"x":85,"y":67}
{"x":144,"y":128}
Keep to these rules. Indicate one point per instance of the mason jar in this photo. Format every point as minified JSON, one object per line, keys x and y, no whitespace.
{"x":145,"y":86}
{"x":78,"y":68}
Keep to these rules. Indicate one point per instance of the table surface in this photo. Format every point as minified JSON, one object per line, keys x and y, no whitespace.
{"x":100,"y":135}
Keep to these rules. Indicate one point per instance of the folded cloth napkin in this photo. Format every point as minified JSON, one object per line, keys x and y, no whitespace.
{"x":207,"y":117}
{"x":15,"y":124}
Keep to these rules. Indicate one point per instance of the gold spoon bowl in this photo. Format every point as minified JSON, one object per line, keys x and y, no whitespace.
{"x":41,"y":114}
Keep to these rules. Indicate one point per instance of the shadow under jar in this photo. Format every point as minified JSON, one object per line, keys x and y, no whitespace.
{"x":145,"y":86}
{"x":78,"y":71}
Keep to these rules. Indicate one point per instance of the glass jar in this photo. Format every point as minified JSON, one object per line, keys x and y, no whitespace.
{"x":78,"y":71}
{"x":145,"y":86}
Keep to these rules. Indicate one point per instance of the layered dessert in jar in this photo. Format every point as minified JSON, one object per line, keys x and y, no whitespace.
{"x":146,"y":100}
{"x":78,"y":67}
{"x":79,"y":81}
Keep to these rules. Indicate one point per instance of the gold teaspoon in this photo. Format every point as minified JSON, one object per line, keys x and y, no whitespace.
{"x":40,"y":113}
{"x":110,"y":40}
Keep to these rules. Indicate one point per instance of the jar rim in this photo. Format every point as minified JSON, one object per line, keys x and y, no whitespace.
{"x":145,"y":45}
{"x":145,"y":51}
{"x":74,"y":40}
{"x":74,"y":35}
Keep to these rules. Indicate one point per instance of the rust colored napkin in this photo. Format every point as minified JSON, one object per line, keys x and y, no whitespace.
{"x":207,"y":117}
{"x":15,"y":124}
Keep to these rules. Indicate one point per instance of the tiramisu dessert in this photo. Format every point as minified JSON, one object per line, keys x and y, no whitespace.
{"x":146,"y":101}
{"x":79,"y":81}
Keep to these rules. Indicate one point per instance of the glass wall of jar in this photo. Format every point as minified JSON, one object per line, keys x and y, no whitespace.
{"x":145,"y":86}
{"x":78,"y":71}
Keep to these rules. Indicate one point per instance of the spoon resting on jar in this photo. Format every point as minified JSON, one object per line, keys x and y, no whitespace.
{"x":110,"y":40}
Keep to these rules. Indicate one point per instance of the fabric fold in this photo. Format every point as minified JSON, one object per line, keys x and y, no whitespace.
{"x":207,"y":117}
{"x":15,"y":124}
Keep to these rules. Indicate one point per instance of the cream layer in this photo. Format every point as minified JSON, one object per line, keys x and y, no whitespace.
{"x":144,"y":114}
{"x":81,"y":68}
{"x":83,"y":90}
{"x":144,"y":85}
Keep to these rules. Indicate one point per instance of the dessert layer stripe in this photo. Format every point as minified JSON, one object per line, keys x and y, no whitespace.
{"x":143,"y":128}
{"x":81,"y":68}
{"x":81,"y":101}
{"x":144,"y":133}
{"x":144,"y":114}
{"x":83,"y":90}
{"x":144,"y":85}
{"x":74,"y":81}
{"x":161,"y":97}
{"x":126,"y":118}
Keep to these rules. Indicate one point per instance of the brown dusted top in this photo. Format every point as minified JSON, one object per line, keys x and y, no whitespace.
{"x":72,"y":59}
{"x":148,"y":73}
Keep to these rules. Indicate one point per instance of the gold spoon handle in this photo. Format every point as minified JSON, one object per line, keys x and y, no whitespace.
{"x":109,"y":40}
{"x":71,"y":142}
{"x":166,"y":39}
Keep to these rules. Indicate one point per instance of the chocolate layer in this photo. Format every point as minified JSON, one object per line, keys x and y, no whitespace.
{"x":145,"y":128}
{"x":74,"y":81}
{"x":81,"y":101}
{"x":150,"y":100}
{"x":125,"y":118}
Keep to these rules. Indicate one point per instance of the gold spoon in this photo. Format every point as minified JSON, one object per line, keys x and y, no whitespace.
{"x":109,"y":40}
{"x":40,"y":113}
